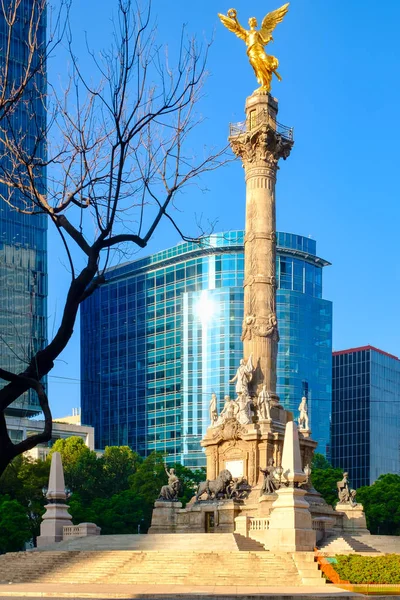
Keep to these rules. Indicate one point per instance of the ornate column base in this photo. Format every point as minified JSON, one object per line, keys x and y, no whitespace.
{"x":51,"y":528}
{"x":290,"y":524}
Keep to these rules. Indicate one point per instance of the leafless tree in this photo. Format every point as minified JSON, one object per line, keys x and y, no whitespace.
{"x":117,"y":154}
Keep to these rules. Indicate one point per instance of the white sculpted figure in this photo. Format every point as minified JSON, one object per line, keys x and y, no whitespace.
{"x":243,"y":377}
{"x":303,"y":416}
{"x":244,"y":413}
{"x":213,"y":410}
{"x":228,"y":412}
{"x":264,"y":404}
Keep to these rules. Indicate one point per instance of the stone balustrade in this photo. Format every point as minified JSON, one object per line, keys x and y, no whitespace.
{"x":258,"y":523}
{"x":318,"y":525}
{"x":321,"y":526}
{"x":81,"y":530}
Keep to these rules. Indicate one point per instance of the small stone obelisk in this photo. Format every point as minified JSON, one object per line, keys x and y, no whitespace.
{"x":56,"y":515}
{"x":290,"y":524}
{"x":260,"y":145}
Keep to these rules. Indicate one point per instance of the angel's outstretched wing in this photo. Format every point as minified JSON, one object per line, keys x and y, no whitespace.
{"x":233,"y":25}
{"x":271,"y":20}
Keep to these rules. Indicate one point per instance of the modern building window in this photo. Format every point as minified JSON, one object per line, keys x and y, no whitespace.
{"x":192,"y":343}
{"x":365,"y":413}
{"x":23,"y":243}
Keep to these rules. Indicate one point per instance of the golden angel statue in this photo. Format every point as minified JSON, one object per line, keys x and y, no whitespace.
{"x":263,"y":64}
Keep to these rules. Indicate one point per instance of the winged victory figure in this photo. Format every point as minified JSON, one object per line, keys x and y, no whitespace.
{"x":263,"y":64}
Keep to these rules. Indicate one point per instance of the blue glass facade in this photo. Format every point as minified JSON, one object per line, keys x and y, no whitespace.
{"x":23,"y":244}
{"x":164,"y":332}
{"x":365,"y":413}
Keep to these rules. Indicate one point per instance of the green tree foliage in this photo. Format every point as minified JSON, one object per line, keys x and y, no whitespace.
{"x":324,"y":478}
{"x":118,"y":464}
{"x":14,"y":525}
{"x":381,"y":502}
{"x":23,"y":481}
{"x":116,"y":490}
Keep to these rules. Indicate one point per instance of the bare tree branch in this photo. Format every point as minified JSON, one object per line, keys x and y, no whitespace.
{"x":118,"y":151}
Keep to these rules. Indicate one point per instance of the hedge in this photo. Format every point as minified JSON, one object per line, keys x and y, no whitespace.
{"x":369,"y":569}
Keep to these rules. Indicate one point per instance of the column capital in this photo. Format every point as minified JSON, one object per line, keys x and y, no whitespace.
{"x":261,"y":147}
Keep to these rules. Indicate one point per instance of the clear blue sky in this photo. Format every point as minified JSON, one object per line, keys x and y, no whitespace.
{"x":340,"y":66}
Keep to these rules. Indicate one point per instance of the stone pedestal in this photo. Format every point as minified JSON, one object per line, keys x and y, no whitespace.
{"x":242,"y":526}
{"x":265,"y":504}
{"x":290,"y":524}
{"x":56,"y":516}
{"x":353,"y":521}
{"x":164,"y":517}
{"x":226,"y":515}
{"x":55,"y":519}
{"x":305,"y":432}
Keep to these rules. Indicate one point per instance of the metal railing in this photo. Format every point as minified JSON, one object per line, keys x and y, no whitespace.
{"x":237,"y":128}
{"x":241,"y":127}
{"x":285,"y":131}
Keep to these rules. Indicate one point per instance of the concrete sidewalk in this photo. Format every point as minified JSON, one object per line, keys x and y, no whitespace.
{"x":169,"y":592}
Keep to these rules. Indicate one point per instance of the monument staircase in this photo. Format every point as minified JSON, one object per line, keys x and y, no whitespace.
{"x":343,"y":543}
{"x":347,"y":544}
{"x":174,"y":564}
{"x":387,"y":544}
{"x":247,"y":543}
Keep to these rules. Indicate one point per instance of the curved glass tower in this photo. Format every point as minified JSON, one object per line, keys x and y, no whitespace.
{"x":164,"y":332}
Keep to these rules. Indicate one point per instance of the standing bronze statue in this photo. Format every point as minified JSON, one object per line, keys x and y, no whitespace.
{"x":263,"y":64}
{"x":270,"y":484}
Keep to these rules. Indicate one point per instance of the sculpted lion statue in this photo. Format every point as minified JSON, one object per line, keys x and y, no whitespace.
{"x":214,"y":487}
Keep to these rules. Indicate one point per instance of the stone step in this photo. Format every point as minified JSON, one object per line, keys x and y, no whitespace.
{"x":221,"y":541}
{"x":346,"y":544}
{"x":146,"y":567}
{"x":314,"y":581}
{"x":244,"y":543}
{"x":308,"y":569}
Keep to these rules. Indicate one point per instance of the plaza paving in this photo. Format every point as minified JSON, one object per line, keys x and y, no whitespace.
{"x":169,"y":592}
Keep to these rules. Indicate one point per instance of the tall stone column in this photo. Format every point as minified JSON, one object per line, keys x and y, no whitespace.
{"x":260,"y":144}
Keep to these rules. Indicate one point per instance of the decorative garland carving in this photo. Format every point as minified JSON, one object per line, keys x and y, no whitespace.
{"x":231,"y":429}
{"x":260,"y":327}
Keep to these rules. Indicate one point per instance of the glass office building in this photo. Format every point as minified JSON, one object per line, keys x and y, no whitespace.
{"x":365,"y":413}
{"x":164,"y":332}
{"x":23,"y":247}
